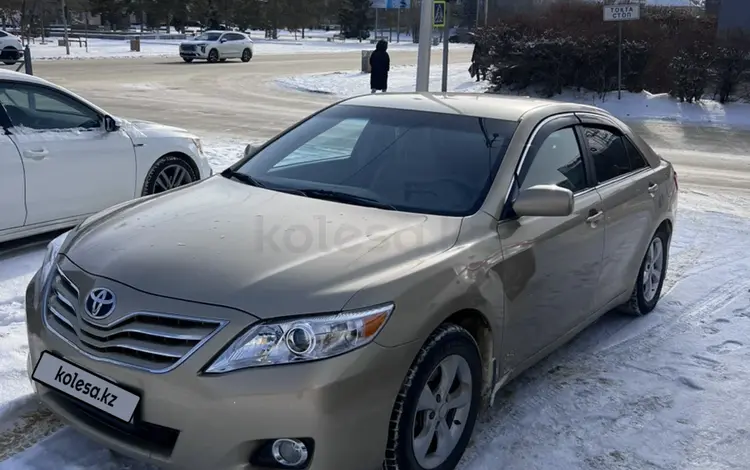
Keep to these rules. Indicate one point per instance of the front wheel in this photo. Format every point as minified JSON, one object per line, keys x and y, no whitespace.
{"x":247,"y":54}
{"x":651,"y":275}
{"x":187,"y":59}
{"x":169,"y":172}
{"x":436,"y":410}
{"x":213,"y":56}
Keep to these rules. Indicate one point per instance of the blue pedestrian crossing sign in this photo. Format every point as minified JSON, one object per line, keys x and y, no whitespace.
{"x":438,"y":14}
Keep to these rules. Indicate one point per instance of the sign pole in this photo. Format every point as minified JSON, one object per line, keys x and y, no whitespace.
{"x":398,"y":25}
{"x":619,"y":60}
{"x":446,"y":41}
{"x":425,"y":39}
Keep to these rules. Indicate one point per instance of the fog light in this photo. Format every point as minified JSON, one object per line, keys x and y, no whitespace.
{"x":289,"y":452}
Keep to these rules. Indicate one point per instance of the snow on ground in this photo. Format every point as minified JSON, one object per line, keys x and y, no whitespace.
{"x":632,"y":105}
{"x":112,"y":48}
{"x":666,"y":391}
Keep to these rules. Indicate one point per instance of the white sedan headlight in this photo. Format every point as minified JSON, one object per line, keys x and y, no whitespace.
{"x":302,"y":339}
{"x":53,"y":249}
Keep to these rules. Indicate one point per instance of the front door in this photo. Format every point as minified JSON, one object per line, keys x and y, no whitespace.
{"x":12,"y":204}
{"x":73,"y":166}
{"x":551,"y":265}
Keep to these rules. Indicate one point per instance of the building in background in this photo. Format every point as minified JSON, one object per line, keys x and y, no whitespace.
{"x":732,"y":14}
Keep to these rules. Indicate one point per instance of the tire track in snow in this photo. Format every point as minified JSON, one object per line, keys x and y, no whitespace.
{"x":28,"y":430}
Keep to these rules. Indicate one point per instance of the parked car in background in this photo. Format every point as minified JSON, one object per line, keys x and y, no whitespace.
{"x":218,"y":46}
{"x":351,"y":294}
{"x":63,"y":158}
{"x":11,"y":48}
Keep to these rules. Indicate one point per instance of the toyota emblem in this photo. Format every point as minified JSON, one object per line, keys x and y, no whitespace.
{"x":100,"y":303}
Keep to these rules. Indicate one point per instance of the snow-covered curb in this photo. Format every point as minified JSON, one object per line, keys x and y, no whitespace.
{"x":632,"y":106}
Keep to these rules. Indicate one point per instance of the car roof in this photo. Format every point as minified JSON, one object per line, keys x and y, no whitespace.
{"x":485,"y":105}
{"x":22,"y":77}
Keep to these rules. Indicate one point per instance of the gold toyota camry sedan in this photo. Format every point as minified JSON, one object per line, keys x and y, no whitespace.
{"x":351,"y":294}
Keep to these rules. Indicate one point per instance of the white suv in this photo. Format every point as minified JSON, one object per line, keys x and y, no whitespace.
{"x":218,"y":46}
{"x":11,"y":49}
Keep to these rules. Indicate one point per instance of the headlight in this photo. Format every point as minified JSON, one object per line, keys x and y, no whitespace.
{"x":302,"y":339}
{"x":53,"y":249}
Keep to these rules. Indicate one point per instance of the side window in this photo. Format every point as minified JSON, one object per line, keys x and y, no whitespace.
{"x":40,"y":108}
{"x":608,"y":152}
{"x":634,"y":156}
{"x":336,"y":143}
{"x":3,"y":34}
{"x":558,"y":161}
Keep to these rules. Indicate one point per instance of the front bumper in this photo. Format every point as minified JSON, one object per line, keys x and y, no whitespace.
{"x":190,"y":421}
{"x":194,"y":54}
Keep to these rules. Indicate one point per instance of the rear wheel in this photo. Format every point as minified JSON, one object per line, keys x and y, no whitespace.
{"x":169,"y":172}
{"x":651,"y":275}
{"x":435,"y":412}
{"x":247,"y":54}
{"x":213,"y":56}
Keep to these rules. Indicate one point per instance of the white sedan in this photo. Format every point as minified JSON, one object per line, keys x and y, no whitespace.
{"x":63,"y":158}
{"x":218,"y":46}
{"x":11,"y":48}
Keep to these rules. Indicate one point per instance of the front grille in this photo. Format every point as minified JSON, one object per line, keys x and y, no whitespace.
{"x":153,"y":437}
{"x":155,"y":342}
{"x":187,"y":47}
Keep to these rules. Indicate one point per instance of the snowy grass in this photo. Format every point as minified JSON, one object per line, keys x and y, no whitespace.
{"x":664,"y":391}
{"x":632,"y":106}
{"x":120,"y":49}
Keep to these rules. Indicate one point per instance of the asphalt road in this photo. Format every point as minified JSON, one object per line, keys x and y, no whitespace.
{"x":242,"y":101}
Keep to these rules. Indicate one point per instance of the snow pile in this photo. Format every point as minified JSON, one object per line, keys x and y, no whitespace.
{"x":400,"y":79}
{"x":632,"y":105}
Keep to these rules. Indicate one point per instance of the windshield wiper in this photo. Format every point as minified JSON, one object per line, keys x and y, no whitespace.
{"x":242,"y":177}
{"x":346,"y":198}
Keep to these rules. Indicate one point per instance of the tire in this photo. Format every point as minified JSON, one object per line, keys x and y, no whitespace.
{"x":10,"y":56}
{"x":168,"y":167}
{"x":247,"y":55}
{"x":448,"y":344}
{"x":213,"y":56}
{"x":187,"y":59}
{"x":644,"y":298}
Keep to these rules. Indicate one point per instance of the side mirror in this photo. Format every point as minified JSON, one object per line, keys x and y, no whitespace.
{"x":223,"y":40}
{"x":110,"y":124}
{"x":544,"y":201}
{"x":250,"y":150}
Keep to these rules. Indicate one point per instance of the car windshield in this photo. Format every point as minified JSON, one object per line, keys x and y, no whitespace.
{"x":410,"y":161}
{"x":208,"y":37}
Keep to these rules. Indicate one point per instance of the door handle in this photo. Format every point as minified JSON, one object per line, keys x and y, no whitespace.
{"x":594,"y":216}
{"x":652,"y":188}
{"x":36,"y":154}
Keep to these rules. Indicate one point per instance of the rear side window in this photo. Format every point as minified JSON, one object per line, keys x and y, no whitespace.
{"x":609,"y":153}
{"x":637,"y":161}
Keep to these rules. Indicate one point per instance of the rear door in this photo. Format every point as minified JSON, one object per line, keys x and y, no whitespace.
{"x":628,"y":186}
{"x":551,"y":265}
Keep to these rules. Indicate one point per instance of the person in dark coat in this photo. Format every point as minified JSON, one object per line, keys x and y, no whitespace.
{"x":380,"y":65}
{"x":478,"y":62}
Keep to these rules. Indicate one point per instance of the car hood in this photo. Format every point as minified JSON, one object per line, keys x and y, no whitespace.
{"x":264,"y":252}
{"x":147,"y":129}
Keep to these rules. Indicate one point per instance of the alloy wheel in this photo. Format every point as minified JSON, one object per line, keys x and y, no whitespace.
{"x":442,"y":412}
